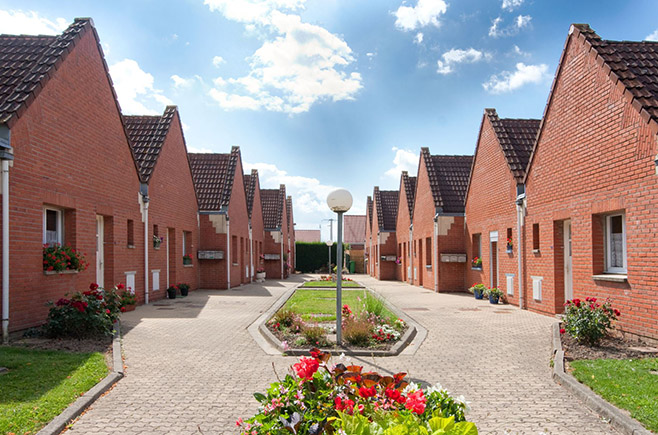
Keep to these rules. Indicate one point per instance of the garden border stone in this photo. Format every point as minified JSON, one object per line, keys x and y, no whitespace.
{"x":618,"y":418}
{"x":59,"y":423}
{"x":271,"y":345}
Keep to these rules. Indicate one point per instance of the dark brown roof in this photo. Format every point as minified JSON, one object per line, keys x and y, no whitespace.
{"x":147,"y":135}
{"x":386,"y":202}
{"x":250,"y":184}
{"x":213,"y":176}
{"x":409,"y":186}
{"x":369,"y":206}
{"x":272,"y":201}
{"x":354,"y":230}
{"x":27,"y":62}
{"x":635,"y":64}
{"x":307,"y":236}
{"x":448,"y":178}
{"x":517,"y":138}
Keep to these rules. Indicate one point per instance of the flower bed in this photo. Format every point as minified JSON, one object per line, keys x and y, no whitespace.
{"x":319,"y":398}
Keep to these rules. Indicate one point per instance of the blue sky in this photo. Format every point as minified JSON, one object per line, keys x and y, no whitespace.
{"x":333,"y":93}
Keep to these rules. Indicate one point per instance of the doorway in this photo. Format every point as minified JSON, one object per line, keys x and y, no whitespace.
{"x":493,"y":257}
{"x":568,"y":274}
{"x":100,"y":254}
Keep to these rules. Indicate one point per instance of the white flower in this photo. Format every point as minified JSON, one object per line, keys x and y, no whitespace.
{"x":411,"y":388}
{"x":436,"y":388}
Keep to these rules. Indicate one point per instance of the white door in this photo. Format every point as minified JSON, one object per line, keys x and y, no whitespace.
{"x":100,"y":259}
{"x":568,"y":278}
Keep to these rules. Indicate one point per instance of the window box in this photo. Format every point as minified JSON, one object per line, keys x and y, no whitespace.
{"x":188,"y":265}
{"x":63,"y":272}
{"x":476,"y":268}
{"x":611,"y":277}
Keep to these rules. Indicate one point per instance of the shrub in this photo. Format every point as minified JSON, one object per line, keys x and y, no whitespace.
{"x":315,"y":335}
{"x":315,"y":255}
{"x":480,"y":288}
{"x":357,"y":331}
{"x":373,"y":305}
{"x":495,"y":292}
{"x":285,"y":317}
{"x":58,"y":258}
{"x":588,"y":321}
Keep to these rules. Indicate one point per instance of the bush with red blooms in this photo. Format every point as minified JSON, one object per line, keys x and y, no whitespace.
{"x":589,"y":321}
{"x":58,"y":258}
{"x":85,"y":314}
{"x":317,"y":397}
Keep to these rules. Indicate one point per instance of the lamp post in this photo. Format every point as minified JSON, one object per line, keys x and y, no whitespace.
{"x":329,"y":243}
{"x":339,"y":201}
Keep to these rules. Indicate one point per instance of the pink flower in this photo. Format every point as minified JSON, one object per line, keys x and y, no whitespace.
{"x":416,"y":402}
{"x":306,"y":367}
{"x":562,"y":331}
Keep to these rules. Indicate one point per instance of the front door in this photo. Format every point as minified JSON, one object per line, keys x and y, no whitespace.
{"x":568,"y":277}
{"x":100,"y":258}
{"x":493,"y":257}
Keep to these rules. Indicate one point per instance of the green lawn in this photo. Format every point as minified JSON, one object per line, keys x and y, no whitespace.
{"x":627,"y":384}
{"x":330,"y":284}
{"x":309,"y":302}
{"x":41,"y":384}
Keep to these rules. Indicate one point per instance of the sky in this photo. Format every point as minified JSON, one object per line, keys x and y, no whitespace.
{"x":321,"y":94}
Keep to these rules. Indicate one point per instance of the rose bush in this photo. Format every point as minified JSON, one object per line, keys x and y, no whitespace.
{"x":319,"y":398}
{"x":589,"y":321}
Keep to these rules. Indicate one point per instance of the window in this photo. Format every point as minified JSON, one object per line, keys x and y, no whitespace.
{"x":509,"y":236}
{"x":477,"y":247}
{"x":131,"y":233}
{"x":186,"y":242}
{"x":234,"y":250}
{"x":535,"y":237}
{"x":428,"y":251}
{"x":615,"y":243}
{"x":52,"y":226}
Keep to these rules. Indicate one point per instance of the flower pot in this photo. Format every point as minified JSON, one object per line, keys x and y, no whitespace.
{"x":478,"y":295}
{"x":171,"y":293}
{"x":493,"y":299}
{"x":130,"y":307}
{"x":510,"y":250}
{"x":183,"y":291}
{"x":260,"y":276}
{"x":187,"y":261}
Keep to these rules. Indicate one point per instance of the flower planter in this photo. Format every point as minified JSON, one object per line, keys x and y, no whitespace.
{"x":510,"y":250}
{"x":171,"y":293}
{"x":478,"y":295}
{"x":260,"y":276}
{"x":130,"y":307}
{"x":183,"y":291}
{"x":187,"y":261}
{"x":493,"y":299}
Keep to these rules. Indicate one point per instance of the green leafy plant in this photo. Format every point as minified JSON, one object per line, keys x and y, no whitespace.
{"x":315,"y":335}
{"x":392,"y":424}
{"x":357,"y":331}
{"x":478,"y":288}
{"x":589,"y":321}
{"x":495,"y":292}
{"x":373,"y":305}
{"x":58,"y":258}
{"x":476,"y":262}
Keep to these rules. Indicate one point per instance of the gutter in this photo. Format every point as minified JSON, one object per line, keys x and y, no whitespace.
{"x":7,"y":156}
{"x":144,"y":191}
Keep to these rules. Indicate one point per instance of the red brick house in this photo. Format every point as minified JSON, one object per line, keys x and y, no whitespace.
{"x":256,"y":231}
{"x":384,"y":244}
{"x":223,"y":256}
{"x":276,"y":232}
{"x":590,"y":223}
{"x":369,"y":259}
{"x":403,"y":227}
{"x":354,"y":234}
{"x":170,"y":221}
{"x":73,"y":179}
{"x":496,"y":180}
{"x":438,"y":248}
{"x":308,"y":236}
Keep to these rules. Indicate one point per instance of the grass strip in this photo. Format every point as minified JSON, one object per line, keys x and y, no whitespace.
{"x":330,"y":284}
{"x":320,"y":305}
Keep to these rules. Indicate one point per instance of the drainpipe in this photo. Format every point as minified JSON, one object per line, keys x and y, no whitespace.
{"x":145,"y":201}
{"x":519,"y":223}
{"x":435,"y":263}
{"x":5,"y":251}
{"x":251,"y":255}
{"x":379,"y":255}
{"x":228,"y":254}
{"x":410,"y":272}
{"x":281,"y":261}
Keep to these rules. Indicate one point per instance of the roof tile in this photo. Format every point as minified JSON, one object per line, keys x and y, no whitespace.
{"x":213,"y":176}
{"x":386,"y":202}
{"x":273,"y":201}
{"x":448,"y":178}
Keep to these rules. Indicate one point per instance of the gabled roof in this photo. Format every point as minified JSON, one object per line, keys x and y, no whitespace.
{"x":354,"y":229}
{"x":369,"y":207}
{"x":273,"y":201}
{"x":386,"y":202}
{"x":516,"y":138}
{"x":213,"y":176}
{"x":250,"y":184}
{"x":307,"y":236}
{"x":147,"y":135}
{"x":448,"y":179}
{"x":409,"y":185}
{"x":28,"y":62}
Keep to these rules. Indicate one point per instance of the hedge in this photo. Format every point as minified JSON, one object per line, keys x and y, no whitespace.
{"x":314,"y":255}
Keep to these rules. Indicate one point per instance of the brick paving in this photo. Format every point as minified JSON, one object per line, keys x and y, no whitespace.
{"x":191,"y":364}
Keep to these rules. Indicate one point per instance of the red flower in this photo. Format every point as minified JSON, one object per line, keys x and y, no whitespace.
{"x":107,"y":311}
{"x":393,"y":394}
{"x":617,"y":312}
{"x":306,"y":367}
{"x":367,"y":392}
{"x":93,"y":286}
{"x":99,"y":297}
{"x":123,"y":309}
{"x":62,"y":302}
{"x":347,"y":405}
{"x":120,"y":286}
{"x":416,"y":402}
{"x":562,"y":331}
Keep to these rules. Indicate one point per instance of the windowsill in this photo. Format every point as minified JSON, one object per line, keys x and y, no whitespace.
{"x":476,"y":268}
{"x":63,"y":272}
{"x":188,"y":265}
{"x":612,"y":277}
{"x":535,"y":251}
{"x":131,"y":246}
{"x":235,"y":264}
{"x":428,"y":267}
{"x":157,"y":248}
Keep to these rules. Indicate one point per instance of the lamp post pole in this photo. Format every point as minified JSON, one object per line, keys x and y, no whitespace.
{"x":329,"y":243}
{"x":339,"y":201}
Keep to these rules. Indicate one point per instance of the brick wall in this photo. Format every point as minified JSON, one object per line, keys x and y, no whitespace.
{"x":402,"y":234}
{"x":423,"y":222}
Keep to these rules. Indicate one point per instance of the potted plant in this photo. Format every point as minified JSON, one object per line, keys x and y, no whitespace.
{"x":157,"y":241}
{"x":476,"y":263}
{"x":510,"y":245}
{"x":187,"y":259}
{"x":128,"y":301}
{"x":478,"y":290}
{"x":171,"y":292}
{"x":184,"y":288}
{"x":494,"y":295}
{"x":260,"y":274}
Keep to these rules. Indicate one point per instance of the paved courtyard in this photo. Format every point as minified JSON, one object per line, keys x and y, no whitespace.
{"x":192,"y":366}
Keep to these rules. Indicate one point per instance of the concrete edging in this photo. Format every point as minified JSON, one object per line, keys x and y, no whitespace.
{"x":272,"y":346}
{"x":618,"y":418}
{"x":59,"y":423}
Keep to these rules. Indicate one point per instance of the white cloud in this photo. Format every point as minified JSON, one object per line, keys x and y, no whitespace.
{"x":494,"y":30}
{"x":510,"y":5}
{"x":302,"y":65}
{"x":509,"y":81}
{"x":653,"y":36}
{"x":185,"y":127}
{"x":16,"y":22}
{"x":180,"y":82}
{"x":523,"y":21}
{"x":217,"y":61}
{"x":425,"y":13}
{"x":191,"y":149}
{"x":456,"y":56}
{"x":134,"y":88}
{"x":250,"y":11}
{"x":404,"y":160}
{"x":518,"y":52}
{"x":419,"y":38}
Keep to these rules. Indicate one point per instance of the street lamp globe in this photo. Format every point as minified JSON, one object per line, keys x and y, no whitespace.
{"x":340,"y":200}
{"x":330,"y":242}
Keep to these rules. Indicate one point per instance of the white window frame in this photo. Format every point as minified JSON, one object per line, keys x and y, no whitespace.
{"x":608,"y":240}
{"x":184,"y":243}
{"x":60,"y":224}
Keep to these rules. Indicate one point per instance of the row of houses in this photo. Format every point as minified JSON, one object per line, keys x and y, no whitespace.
{"x":547,"y":209}
{"x":121,"y":190}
